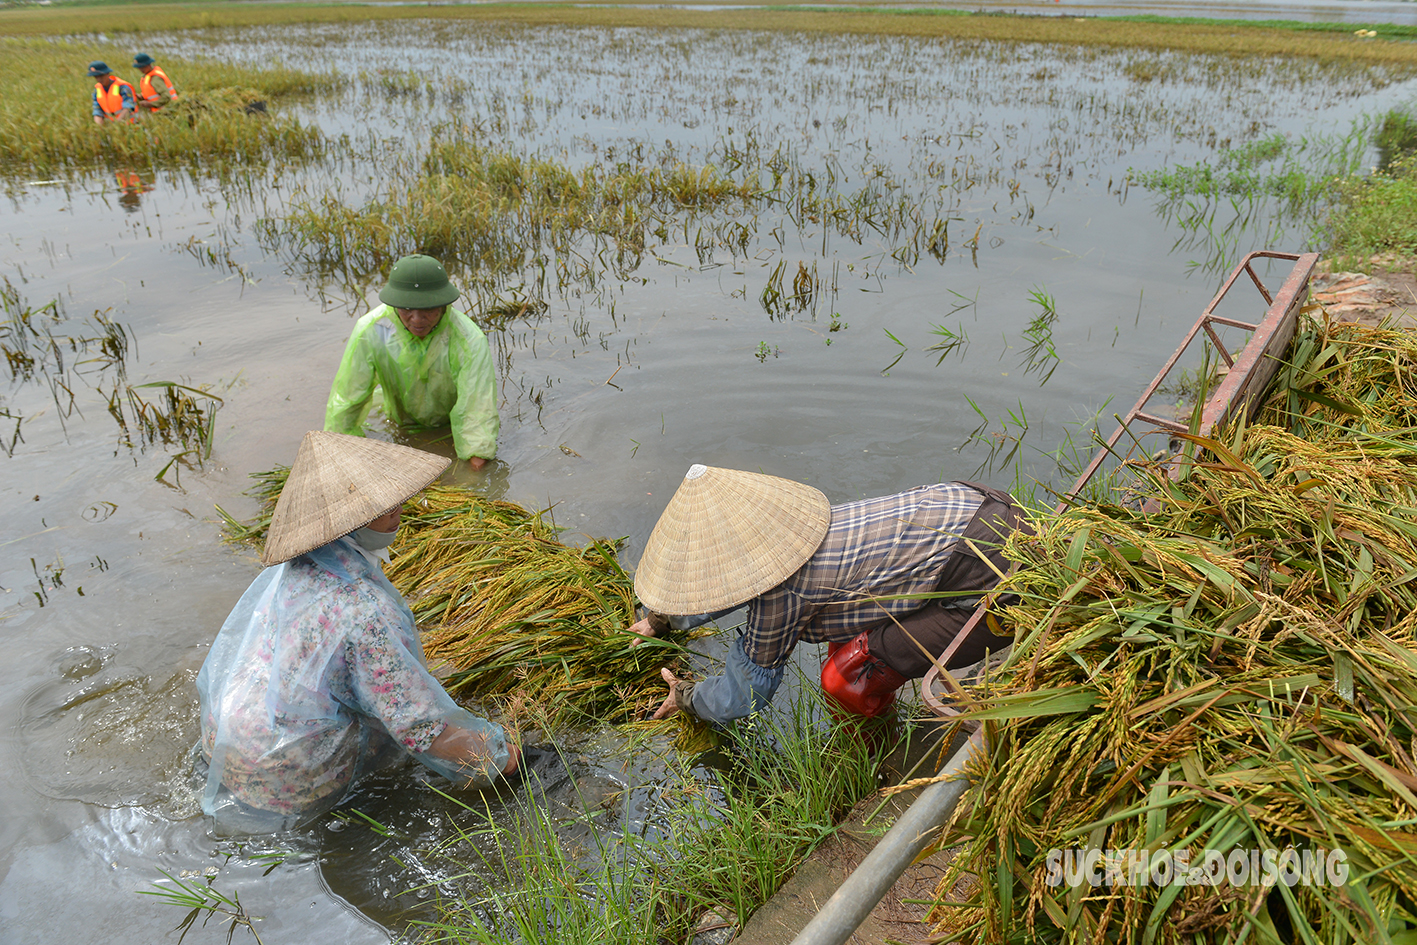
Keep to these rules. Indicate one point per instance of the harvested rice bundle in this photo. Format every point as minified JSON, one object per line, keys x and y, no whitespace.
{"x":517,"y":613}
{"x":1233,"y":672}
{"x":518,"y":616}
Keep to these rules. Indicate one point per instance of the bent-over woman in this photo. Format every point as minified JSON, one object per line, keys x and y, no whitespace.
{"x":318,"y":676}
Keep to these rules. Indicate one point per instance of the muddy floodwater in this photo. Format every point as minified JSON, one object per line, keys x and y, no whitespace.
{"x":945,"y":274}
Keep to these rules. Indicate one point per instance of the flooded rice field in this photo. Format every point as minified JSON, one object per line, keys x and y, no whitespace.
{"x":864,"y":263}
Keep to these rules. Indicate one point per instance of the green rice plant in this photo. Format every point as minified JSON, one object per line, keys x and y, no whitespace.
{"x":951,"y":341}
{"x":1040,"y":357}
{"x":790,"y":782}
{"x":1231,"y":668}
{"x":1396,"y":137}
{"x":1377,"y":214}
{"x":176,"y":418}
{"x":198,"y":899}
{"x":548,"y":895}
{"x":45,"y":112}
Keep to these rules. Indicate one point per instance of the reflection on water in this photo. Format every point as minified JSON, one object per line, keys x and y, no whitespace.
{"x":131,"y":188}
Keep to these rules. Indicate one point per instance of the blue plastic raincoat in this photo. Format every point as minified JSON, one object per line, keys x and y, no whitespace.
{"x":445,"y":378}
{"x":316,"y":678}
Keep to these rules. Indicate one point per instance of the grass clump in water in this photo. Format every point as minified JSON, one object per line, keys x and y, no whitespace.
{"x":1396,"y":137}
{"x":490,"y":212}
{"x":46,"y":112}
{"x":1378,"y":214}
{"x":1232,"y":672}
{"x":720,"y":842}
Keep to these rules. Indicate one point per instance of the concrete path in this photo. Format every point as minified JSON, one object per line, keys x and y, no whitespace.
{"x":901,"y":915}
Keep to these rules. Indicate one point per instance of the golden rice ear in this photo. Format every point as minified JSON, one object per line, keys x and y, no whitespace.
{"x":338,"y":483}
{"x":726,"y":537}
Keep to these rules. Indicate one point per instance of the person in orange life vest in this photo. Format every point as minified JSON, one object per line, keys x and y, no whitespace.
{"x":113,"y":99}
{"x":155,"y":89}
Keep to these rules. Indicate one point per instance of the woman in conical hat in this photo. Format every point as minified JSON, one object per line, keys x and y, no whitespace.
{"x":879,"y":580}
{"x":318,"y":677}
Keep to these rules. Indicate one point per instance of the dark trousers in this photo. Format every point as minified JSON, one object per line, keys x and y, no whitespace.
{"x":902,"y":644}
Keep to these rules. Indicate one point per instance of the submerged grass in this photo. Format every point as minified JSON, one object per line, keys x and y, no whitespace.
{"x":1233,"y":671}
{"x":718,"y":844}
{"x":46,"y":122}
{"x":490,"y":212}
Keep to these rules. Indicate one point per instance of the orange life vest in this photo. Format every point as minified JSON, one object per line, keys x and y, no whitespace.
{"x":111,"y":98}
{"x":145,"y":86}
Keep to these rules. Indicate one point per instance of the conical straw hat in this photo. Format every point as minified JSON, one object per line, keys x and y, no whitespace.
{"x":726,"y":537}
{"x":339,"y":483}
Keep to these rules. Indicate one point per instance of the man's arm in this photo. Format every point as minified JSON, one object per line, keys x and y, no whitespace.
{"x":352,"y":390}
{"x":744,"y":688}
{"x":474,"y":417}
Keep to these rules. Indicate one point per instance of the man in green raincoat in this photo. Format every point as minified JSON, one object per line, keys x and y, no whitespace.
{"x":428,"y":364}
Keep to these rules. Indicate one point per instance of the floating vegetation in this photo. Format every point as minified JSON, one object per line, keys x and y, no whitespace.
{"x":1231,"y":672}
{"x":45,"y":113}
{"x":516,"y":614}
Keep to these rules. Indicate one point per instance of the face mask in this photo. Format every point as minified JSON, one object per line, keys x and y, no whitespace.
{"x":370,"y":540}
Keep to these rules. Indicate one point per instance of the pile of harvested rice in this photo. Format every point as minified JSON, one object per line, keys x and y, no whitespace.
{"x":1235,"y":672}
{"x":515,"y":614}
{"x":518,"y":614}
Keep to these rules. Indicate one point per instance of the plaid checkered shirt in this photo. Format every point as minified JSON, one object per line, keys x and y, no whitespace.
{"x":895,"y":544}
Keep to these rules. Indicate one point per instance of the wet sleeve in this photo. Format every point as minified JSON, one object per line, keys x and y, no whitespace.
{"x":353,"y":389}
{"x":474,"y":416}
{"x":97,"y":112}
{"x":127,"y":97}
{"x":390,"y":683}
{"x":744,"y":688}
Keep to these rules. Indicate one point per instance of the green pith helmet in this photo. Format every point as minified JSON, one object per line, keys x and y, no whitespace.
{"x":418,"y":282}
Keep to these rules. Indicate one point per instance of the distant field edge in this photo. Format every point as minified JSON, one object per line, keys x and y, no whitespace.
{"x":1336,"y":41}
